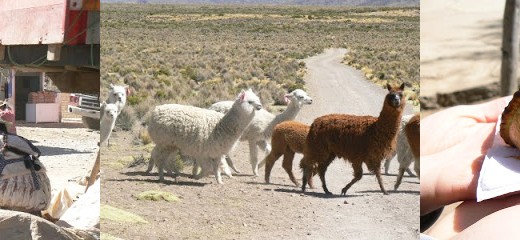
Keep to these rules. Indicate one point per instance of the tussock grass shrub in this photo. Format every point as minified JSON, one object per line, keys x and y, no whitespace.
{"x":190,"y":55}
{"x":138,"y":161}
{"x":126,"y":119}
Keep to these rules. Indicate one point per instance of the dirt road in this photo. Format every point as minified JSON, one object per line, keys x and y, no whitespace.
{"x":461,"y":49}
{"x":246,"y":208}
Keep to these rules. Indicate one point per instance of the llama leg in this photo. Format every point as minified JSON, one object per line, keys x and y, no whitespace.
{"x":160,"y":170}
{"x":306,"y":175}
{"x":358,"y":173}
{"x":399,"y":178}
{"x":253,"y":157}
{"x":261,"y":164}
{"x":287,"y":163}
{"x":168,"y":163}
{"x":409,"y":172}
{"x":216,"y":169}
{"x":266,"y":147}
{"x":322,"y":169}
{"x":160,"y":157}
{"x":387,"y":164}
{"x":224,"y":166}
{"x":375,"y":167}
{"x":405,"y":163}
{"x":380,"y":181}
{"x":171,"y":168}
{"x":307,"y":171}
{"x":153,"y":159}
{"x":170,"y":172}
{"x":196,"y":171}
{"x":205,"y":168}
{"x":231,"y":164}
{"x":311,"y":182}
{"x":417,"y":167}
{"x":269,"y":160}
{"x":150,"y":165}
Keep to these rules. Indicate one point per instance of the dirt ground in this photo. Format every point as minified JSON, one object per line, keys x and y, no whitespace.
{"x":244,"y":207}
{"x":460,"y":44}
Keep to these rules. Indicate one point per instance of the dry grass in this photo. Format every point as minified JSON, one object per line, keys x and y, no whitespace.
{"x":198,"y":55}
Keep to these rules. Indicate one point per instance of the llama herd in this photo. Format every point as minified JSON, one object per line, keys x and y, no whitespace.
{"x":208,"y":135}
{"x":110,"y":110}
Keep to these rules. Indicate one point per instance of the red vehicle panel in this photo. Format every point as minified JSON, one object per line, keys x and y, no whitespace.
{"x":29,"y":22}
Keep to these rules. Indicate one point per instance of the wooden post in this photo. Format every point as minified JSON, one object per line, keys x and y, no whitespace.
{"x":94,"y":172}
{"x":510,"y":48}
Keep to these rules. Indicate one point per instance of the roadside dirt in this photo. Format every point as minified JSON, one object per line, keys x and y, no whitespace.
{"x":247,"y":208}
{"x":461,"y":48}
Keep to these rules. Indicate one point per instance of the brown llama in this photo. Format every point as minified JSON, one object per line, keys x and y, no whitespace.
{"x":413,"y":134}
{"x":288,"y":138}
{"x":357,"y":139}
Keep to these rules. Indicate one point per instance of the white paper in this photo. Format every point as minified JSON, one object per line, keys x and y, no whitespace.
{"x":500,"y":173}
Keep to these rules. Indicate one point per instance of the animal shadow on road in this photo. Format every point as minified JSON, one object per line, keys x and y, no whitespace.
{"x":313,"y":194}
{"x":243,"y":175}
{"x":270,"y":184}
{"x":391,"y":175}
{"x":165,"y":181}
{"x":411,"y":182}
{"x":54,"y":151}
{"x":392,"y":191}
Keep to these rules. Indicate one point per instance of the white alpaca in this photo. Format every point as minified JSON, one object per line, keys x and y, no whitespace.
{"x":404,"y":153}
{"x":261,"y":128}
{"x":117,"y":95}
{"x":404,"y":121}
{"x":202,"y":134}
{"x":108,"y":121}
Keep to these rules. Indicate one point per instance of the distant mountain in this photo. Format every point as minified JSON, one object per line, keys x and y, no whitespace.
{"x":282,"y":2}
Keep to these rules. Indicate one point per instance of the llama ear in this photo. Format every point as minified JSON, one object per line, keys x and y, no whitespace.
{"x":388,"y":87}
{"x":286,"y":98}
{"x":128,"y":91}
{"x":242,"y":95}
{"x":112,"y":86}
{"x":402,"y":87}
{"x":103,"y":104}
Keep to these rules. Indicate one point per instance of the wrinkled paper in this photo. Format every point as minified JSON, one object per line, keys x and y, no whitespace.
{"x":500,"y":173}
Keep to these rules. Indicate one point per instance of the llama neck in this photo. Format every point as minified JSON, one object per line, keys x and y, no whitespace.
{"x":235,"y":121}
{"x":289,"y":114}
{"x":108,"y":120}
{"x":389,"y":120}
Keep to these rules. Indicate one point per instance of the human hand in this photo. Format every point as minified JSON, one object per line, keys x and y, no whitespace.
{"x":454,"y":143}
{"x":490,"y":219}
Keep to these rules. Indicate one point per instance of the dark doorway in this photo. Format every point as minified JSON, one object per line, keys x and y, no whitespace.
{"x":24,"y":85}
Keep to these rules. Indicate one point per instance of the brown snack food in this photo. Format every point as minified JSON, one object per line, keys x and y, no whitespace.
{"x":510,"y":126}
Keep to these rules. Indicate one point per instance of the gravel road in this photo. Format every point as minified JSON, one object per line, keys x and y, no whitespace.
{"x":247,"y":208}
